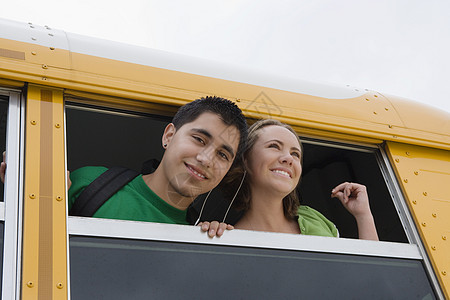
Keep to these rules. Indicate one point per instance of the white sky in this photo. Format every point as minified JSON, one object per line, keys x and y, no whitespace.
{"x":391,"y":46}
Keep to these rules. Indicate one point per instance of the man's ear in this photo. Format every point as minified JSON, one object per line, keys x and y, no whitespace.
{"x":168,"y":134}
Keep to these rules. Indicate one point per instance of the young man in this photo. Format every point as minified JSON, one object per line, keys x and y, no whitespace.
{"x":200,"y":144}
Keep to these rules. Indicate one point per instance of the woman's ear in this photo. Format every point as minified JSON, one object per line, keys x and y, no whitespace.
{"x":168,"y":134}
{"x":245,"y":163}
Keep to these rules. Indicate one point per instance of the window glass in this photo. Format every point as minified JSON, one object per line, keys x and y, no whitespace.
{"x":104,"y":268}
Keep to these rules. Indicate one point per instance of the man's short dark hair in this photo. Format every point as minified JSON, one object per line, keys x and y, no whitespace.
{"x":228,"y":112}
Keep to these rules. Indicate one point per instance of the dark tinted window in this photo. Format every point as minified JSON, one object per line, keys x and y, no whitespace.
{"x":110,"y":138}
{"x":104,"y":268}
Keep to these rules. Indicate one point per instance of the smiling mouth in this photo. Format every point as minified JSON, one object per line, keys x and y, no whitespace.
{"x":283,"y":173}
{"x":195,"y":173}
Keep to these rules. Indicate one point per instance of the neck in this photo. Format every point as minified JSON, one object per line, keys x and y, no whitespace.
{"x":266,"y":214}
{"x":165,"y":191}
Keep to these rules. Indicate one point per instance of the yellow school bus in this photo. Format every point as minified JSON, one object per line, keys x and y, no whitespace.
{"x":69,"y":101}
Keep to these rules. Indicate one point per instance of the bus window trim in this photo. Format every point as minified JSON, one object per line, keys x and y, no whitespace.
{"x":13,"y":191}
{"x":122,"y":229}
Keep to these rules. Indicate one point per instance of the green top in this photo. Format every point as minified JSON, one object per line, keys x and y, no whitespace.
{"x":312,"y":222}
{"x":135,"y":201}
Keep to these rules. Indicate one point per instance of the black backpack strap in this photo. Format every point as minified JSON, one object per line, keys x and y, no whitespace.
{"x":100,"y":190}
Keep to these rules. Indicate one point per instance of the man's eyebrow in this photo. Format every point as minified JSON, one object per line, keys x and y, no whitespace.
{"x":280,"y":142}
{"x":209,"y":135}
{"x":202,"y":131}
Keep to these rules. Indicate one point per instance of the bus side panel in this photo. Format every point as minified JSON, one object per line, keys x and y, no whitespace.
{"x":424,"y":174}
{"x":44,"y":273}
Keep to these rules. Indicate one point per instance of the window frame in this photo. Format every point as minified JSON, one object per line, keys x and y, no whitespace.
{"x":11,"y":211}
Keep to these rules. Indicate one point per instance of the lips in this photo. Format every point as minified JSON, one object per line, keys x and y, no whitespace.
{"x":196,"y":172}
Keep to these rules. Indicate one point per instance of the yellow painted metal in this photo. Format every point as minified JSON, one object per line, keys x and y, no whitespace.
{"x":369,"y":116}
{"x":424,"y":175}
{"x":44,"y":267}
{"x":10,"y":83}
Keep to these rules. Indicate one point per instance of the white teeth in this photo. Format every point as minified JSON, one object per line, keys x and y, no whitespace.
{"x":197,"y":173}
{"x":282,"y":173}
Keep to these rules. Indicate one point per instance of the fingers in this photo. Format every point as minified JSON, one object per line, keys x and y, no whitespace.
{"x":69,"y":182}
{"x":3,"y":168}
{"x":215,"y":228}
{"x":344,"y":190}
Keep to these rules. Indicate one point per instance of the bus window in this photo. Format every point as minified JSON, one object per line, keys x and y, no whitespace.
{"x":117,"y":268}
{"x":105,"y":137}
{"x":325,"y":165}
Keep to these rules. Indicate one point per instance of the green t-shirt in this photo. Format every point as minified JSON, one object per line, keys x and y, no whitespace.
{"x":312,"y":222}
{"x":135,"y":201}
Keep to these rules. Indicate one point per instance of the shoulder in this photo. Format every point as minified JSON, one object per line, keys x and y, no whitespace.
{"x":313,"y":222}
{"x":87,"y":173}
{"x":81,"y":178}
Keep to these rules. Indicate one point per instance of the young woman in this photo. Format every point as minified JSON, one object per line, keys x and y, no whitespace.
{"x":273,"y":162}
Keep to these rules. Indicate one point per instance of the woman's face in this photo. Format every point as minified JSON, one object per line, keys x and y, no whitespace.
{"x":273,"y":163}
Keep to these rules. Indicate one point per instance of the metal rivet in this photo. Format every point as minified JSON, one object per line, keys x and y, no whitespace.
{"x":238,"y":100}
{"x":414,"y":201}
{"x":390,"y":126}
{"x":444,"y":237}
{"x":425,"y":193}
{"x":444,"y":273}
{"x":367,"y":99}
{"x":407,"y":153}
{"x":44,"y":66}
{"x":30,"y":284}
{"x":424,"y":224}
{"x":416,"y":173}
{"x":52,"y":48}
{"x":374,"y":112}
{"x":57,"y":125}
{"x":33,"y":122}
{"x":405,"y":180}
{"x":59,"y":285}
{"x":386,"y":109}
{"x":44,"y":78}
{"x":434,"y":215}
{"x":375,"y":96}
{"x":433,"y":247}
{"x":33,"y":38}
{"x":32,"y":196}
{"x":33,"y":52}
{"x":50,"y":34}
{"x":58,"y":198}
{"x":31,"y":26}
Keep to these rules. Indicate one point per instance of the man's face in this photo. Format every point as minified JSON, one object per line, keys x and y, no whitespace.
{"x":198,"y":155}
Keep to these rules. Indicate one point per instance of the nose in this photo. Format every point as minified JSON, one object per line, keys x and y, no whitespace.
{"x":205,"y":157}
{"x":286,"y":158}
